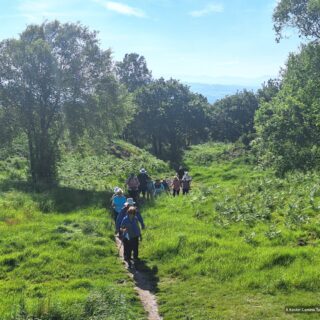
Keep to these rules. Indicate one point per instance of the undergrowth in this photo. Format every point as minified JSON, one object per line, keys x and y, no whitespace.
{"x":242,"y":245}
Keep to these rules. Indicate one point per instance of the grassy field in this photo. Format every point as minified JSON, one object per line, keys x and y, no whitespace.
{"x":243,"y":244}
{"x":58,"y":257}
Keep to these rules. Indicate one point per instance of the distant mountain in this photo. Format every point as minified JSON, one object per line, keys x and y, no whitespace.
{"x":214,"y":92}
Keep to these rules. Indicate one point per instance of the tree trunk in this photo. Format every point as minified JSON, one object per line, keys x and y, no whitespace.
{"x":42,"y":159}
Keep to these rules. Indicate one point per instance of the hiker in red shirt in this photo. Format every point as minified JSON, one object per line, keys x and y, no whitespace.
{"x":176,"y":186}
{"x":133,"y":186}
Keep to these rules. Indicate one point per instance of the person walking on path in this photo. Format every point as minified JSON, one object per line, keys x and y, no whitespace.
{"x":166,"y":186}
{"x":158,"y":187}
{"x":133,"y":186}
{"x":186,"y":183}
{"x":180,"y":173}
{"x":176,"y":185}
{"x":150,"y":189}
{"x":118,"y":201}
{"x":131,"y":236}
{"x":143,"y":178}
{"x":123,"y":213}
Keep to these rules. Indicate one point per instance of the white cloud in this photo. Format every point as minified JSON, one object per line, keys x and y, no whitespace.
{"x":210,"y":8}
{"x":36,"y":11}
{"x":122,"y":8}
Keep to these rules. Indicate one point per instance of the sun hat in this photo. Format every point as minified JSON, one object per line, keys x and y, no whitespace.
{"x":186,"y":176}
{"x":116,"y":189}
{"x":143,"y":170}
{"x":129,"y":202}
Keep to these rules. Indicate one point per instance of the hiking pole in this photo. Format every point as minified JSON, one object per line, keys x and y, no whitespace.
{"x":120,"y":247}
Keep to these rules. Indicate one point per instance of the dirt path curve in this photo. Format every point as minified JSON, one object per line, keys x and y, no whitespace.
{"x":144,"y":288}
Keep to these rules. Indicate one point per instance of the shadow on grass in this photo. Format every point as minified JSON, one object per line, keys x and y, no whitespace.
{"x":58,"y":198}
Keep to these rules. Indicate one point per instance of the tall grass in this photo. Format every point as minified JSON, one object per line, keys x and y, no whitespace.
{"x":242,"y":245}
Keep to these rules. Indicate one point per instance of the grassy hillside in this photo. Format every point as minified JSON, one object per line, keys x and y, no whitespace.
{"x":243,"y":245}
{"x":58,"y":258}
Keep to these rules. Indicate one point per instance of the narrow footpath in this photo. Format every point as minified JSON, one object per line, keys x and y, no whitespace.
{"x":144,"y":288}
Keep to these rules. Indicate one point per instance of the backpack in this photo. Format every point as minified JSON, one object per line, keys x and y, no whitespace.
{"x":132,"y":183}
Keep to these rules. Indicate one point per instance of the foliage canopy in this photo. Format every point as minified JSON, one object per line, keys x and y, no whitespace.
{"x":288,"y":125}
{"x":301,"y":14}
{"x":55,"y":79}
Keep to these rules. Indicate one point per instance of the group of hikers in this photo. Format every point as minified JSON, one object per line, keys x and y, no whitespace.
{"x":144,"y":185}
{"x":127,"y":216}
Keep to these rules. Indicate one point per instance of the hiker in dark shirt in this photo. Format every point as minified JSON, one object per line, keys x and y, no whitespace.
{"x":180,"y":173}
{"x":186,"y":183}
{"x":143,"y":179}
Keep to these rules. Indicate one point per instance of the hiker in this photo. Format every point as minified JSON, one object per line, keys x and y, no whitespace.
{"x":166,"y":186}
{"x":128,"y":204}
{"x":180,"y":172}
{"x":143,"y":177}
{"x":118,"y":201}
{"x":150,"y":189}
{"x":131,"y":236}
{"x":133,"y":186}
{"x":186,"y":182}
{"x":158,"y":187}
{"x":115,"y":190}
{"x":176,"y":185}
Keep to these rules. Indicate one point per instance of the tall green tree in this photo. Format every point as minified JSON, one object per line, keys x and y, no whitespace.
{"x":133,"y":71}
{"x":288,"y":126}
{"x":232,"y":117}
{"x":268,"y":90}
{"x":304,"y":15}
{"x":169,"y":117}
{"x":55,"y":79}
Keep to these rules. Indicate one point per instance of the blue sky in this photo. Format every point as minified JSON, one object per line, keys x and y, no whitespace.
{"x":227,"y":41}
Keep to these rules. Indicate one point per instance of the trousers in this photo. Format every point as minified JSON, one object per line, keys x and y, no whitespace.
{"x":129,"y":247}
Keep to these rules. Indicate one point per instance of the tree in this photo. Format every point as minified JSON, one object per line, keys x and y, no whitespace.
{"x":133,"y":71}
{"x":301,"y":14}
{"x":269,"y":90}
{"x":232,"y":116}
{"x":54,"y":79}
{"x":169,"y":117}
{"x":288,"y":126}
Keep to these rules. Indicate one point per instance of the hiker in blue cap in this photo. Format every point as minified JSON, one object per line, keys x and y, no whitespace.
{"x":123,"y":213}
{"x":131,"y":236}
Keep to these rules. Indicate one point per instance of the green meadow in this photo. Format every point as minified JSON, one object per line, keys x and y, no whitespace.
{"x":58,"y":256}
{"x":242,"y":245}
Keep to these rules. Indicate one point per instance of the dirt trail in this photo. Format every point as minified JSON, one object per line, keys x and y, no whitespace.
{"x":144,"y":287}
